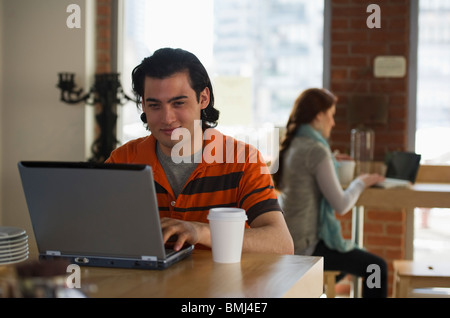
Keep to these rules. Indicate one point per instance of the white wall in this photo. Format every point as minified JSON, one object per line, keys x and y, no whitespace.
{"x":37,"y":44}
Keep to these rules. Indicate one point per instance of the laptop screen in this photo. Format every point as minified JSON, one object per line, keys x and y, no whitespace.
{"x":403,"y":166}
{"x":93,"y":209}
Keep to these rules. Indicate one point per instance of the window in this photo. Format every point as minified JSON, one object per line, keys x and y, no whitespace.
{"x":259,"y":54}
{"x":433,"y":95}
{"x":433,"y":120}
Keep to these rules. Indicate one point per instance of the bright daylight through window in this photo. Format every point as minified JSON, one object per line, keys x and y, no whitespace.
{"x":433,"y":122}
{"x":433,"y":94}
{"x":259,"y":54}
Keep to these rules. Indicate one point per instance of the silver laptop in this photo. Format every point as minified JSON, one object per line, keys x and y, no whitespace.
{"x":401,"y":170}
{"x":96,"y":214}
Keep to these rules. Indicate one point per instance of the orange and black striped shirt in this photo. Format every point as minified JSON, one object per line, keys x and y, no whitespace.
{"x":231,"y":174}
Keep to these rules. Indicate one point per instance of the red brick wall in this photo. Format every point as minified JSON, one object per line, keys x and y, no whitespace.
{"x":103,"y":46}
{"x":353,"y":49}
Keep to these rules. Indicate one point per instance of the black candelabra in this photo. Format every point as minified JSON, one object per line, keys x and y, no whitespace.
{"x":107,"y":91}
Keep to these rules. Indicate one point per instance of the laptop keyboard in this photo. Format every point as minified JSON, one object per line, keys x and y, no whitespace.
{"x":169,"y":251}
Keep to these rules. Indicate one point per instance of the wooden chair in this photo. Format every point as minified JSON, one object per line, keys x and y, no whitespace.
{"x":329,"y":280}
{"x":419,"y":274}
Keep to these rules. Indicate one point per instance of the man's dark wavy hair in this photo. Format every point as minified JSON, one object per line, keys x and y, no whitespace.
{"x":168,"y":61}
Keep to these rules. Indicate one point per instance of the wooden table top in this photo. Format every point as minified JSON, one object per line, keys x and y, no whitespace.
{"x":420,"y":195}
{"x":422,"y":268}
{"x":257,"y":276}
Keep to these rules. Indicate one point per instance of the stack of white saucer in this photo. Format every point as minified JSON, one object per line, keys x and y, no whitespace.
{"x":13,"y":245}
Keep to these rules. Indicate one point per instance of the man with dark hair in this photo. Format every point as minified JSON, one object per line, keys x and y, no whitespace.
{"x":195,"y":167}
{"x":166,"y":62}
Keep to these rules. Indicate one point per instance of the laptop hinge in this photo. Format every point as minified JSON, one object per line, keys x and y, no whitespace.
{"x":149,"y":258}
{"x":53,"y":253}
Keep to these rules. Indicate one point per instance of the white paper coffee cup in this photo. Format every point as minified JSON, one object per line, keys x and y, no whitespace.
{"x":227,"y":234}
{"x":346,"y":171}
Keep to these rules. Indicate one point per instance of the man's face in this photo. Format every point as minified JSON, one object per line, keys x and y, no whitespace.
{"x":171,"y":103}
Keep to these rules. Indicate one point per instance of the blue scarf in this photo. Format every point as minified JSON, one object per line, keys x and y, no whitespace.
{"x":329,"y":226}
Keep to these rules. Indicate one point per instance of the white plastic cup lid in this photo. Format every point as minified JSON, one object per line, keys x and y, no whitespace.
{"x":227,"y":214}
